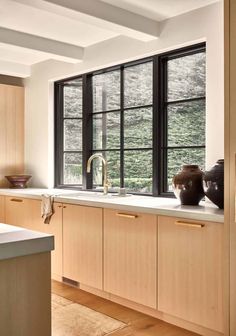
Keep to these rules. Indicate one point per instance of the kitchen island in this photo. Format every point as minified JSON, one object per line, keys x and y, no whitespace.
{"x":25,"y":272}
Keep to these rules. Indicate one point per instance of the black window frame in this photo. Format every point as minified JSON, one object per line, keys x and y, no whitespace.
{"x":159,"y":105}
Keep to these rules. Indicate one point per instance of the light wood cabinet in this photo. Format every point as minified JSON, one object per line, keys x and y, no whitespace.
{"x":11,"y":131}
{"x":82,"y":244}
{"x":130,"y":256}
{"x":2,"y":209}
{"x":26,"y":213}
{"x":190,"y":271}
{"x":35,"y":222}
{"x":16,"y":211}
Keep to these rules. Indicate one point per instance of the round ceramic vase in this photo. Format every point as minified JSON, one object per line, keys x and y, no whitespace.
{"x":213,"y":184}
{"x":187,"y":185}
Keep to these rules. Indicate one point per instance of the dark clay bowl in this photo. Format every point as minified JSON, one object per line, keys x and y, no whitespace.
{"x":18,"y":181}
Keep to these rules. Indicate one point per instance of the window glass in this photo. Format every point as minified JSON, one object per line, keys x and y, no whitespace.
{"x":178,"y":157}
{"x":138,"y":85}
{"x":138,"y":128}
{"x":72,"y":168}
{"x":106,"y":130}
{"x":106,"y":91}
{"x":113,"y":167}
{"x":73,"y":99}
{"x":186,"y":124}
{"x":138,"y":170}
{"x":72,"y":135}
{"x":186,"y":77}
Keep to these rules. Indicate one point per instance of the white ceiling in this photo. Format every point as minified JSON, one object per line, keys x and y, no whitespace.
{"x":53,"y":26}
{"x":33,"y":31}
{"x":160,"y":9}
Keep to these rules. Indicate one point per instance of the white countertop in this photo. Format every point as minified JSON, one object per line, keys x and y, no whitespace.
{"x":147,"y":204}
{"x":16,"y":242}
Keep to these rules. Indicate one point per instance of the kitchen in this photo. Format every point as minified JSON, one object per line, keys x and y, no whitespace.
{"x":30,"y":146}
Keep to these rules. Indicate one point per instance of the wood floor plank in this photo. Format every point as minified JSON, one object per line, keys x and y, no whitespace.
{"x":138,"y":324}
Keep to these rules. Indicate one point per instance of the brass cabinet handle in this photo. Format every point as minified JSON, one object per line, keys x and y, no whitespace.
{"x":59,"y":206}
{"x":119,"y":214}
{"x":194,"y":225}
{"x":16,"y":200}
{"x":64,"y":206}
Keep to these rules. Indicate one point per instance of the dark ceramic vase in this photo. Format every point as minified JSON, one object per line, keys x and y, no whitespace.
{"x":213,"y":184}
{"x":187,"y":185}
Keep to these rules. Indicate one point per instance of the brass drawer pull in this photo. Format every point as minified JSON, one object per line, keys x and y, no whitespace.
{"x":16,"y":200}
{"x":195,"y":225}
{"x":119,"y":214}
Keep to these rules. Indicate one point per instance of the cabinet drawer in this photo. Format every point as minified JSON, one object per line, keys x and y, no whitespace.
{"x":16,"y":211}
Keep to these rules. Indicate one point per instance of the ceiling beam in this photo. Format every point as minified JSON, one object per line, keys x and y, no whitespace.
{"x":58,"y":50}
{"x":102,"y":14}
{"x":14,"y":69}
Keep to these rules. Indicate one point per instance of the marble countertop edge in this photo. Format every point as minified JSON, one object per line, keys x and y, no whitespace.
{"x":146,"y":204}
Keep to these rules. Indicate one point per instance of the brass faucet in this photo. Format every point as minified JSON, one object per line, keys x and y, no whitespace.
{"x":104,"y":161}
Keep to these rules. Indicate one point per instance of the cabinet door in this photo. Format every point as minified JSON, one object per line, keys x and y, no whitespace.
{"x":35,"y":222}
{"x":2,"y":209}
{"x":190,"y":270}
{"x":27,"y":213}
{"x":82,"y":244}
{"x":130,"y":256}
{"x":16,"y":211}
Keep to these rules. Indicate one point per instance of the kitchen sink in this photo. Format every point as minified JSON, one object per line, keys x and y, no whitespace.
{"x":93,"y":194}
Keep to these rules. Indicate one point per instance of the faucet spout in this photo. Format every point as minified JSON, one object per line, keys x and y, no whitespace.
{"x":105,"y":180}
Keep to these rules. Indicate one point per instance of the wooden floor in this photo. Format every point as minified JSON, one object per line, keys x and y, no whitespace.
{"x":138,"y":324}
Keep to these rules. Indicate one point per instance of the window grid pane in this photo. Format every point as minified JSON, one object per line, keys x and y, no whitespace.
{"x":72,"y":168}
{"x":106,"y":131}
{"x":186,"y":119}
{"x":138,"y":128}
{"x":106,"y":91}
{"x":186,"y":77}
{"x":178,"y":157}
{"x":138,"y":171}
{"x":72,"y":132}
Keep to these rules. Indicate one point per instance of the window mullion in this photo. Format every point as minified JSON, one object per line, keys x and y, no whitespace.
{"x":87,"y":129}
{"x":122,"y":127}
{"x":156,"y":145}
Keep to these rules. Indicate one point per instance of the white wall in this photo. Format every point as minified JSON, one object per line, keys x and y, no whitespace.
{"x":205,"y":24}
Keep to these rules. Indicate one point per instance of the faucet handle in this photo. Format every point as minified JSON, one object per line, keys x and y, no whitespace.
{"x":106,"y":186}
{"x":109,"y":184}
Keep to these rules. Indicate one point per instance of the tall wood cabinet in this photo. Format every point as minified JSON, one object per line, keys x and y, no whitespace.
{"x":130,"y":256}
{"x":11,"y":131}
{"x":190,"y":271}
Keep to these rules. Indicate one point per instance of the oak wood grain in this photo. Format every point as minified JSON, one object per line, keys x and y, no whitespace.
{"x":11,"y":131}
{"x":83,"y":244}
{"x":130,"y":256}
{"x":190,"y":273}
{"x":25,"y":307}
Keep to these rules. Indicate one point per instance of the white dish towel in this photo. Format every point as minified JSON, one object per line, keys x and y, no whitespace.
{"x":47,"y":208}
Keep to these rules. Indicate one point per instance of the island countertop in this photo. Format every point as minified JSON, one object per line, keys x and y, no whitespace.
{"x":146,"y":204}
{"x":16,"y":242}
